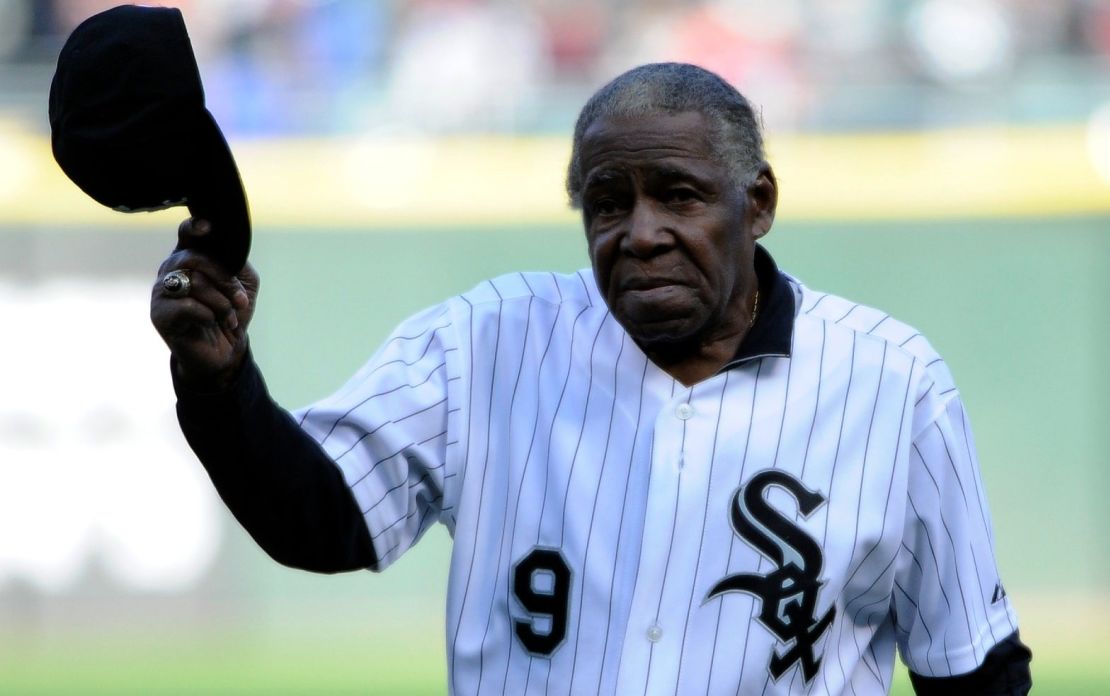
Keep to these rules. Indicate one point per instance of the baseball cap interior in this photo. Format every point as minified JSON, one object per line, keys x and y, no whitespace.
{"x":129,"y":125}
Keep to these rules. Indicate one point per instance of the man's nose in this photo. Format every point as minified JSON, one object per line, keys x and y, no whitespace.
{"x":648,"y":232}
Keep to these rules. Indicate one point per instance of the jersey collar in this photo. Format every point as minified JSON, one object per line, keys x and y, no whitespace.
{"x":773,"y":331}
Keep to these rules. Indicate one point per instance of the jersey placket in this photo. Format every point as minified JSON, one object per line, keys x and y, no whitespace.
{"x":680,"y":473}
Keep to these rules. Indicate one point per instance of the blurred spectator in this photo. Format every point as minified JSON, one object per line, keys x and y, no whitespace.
{"x":575,"y":32}
{"x":962,"y":40}
{"x":288,"y":66}
{"x":1095,"y":23}
{"x":15,"y":25}
{"x":465,"y":64}
{"x":326,"y":66}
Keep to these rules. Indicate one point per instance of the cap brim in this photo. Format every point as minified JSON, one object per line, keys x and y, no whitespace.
{"x":215,"y":193}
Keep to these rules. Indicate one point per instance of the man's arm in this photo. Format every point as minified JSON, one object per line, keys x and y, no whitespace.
{"x":280,"y":485}
{"x":277,"y":481}
{"x":958,"y":631}
{"x":1004,"y":672}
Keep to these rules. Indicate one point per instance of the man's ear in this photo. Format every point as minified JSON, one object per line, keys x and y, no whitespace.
{"x":763,"y":198}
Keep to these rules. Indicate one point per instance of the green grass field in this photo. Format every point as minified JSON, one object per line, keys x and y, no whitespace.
{"x":317,"y":662}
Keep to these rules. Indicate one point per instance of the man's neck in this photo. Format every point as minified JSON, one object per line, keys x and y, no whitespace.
{"x":692,"y":364}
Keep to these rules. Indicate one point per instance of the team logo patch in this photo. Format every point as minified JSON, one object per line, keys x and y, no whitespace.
{"x":788,"y":594}
{"x":999,"y":593}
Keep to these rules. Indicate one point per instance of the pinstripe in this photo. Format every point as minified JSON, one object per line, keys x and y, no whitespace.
{"x":551,"y":430}
{"x":376,"y":395}
{"x":855,"y":617}
{"x":670,"y":548}
{"x":582,"y":426}
{"x":379,"y":394}
{"x":705,"y":518}
{"x":863,"y":469}
{"x":809,"y":441}
{"x":501,"y":546}
{"x":593,"y":507}
{"x":890,"y":486}
{"x":469,"y":412}
{"x":903,"y":343}
{"x":936,"y":566}
{"x":620,"y":537}
{"x":955,"y":552}
{"x":732,"y":544}
{"x":351,"y":387}
{"x":578,"y":446}
{"x":524,"y":469}
{"x":878,"y":324}
{"x":384,"y":496}
{"x":832,"y":473}
{"x":761,"y":561}
{"x":965,"y":430}
{"x":375,"y":465}
{"x":562,"y":396}
{"x":882,"y":533}
{"x":928,"y":390}
{"x":775,"y":463}
{"x":952,"y":466}
{"x":846,"y":314}
{"x":982,"y":599}
{"x":917,"y":609}
{"x":816,"y":401}
{"x":819,"y":300}
{"x":437,"y":425}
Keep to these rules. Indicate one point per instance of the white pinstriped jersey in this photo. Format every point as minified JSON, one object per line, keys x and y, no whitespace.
{"x":775,"y":529}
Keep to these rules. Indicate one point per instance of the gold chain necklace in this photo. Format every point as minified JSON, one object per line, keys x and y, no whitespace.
{"x":755,"y":309}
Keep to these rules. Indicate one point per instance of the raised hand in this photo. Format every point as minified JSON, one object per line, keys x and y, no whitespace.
{"x":202,"y":312}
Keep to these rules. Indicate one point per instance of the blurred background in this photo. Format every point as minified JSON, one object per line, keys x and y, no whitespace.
{"x":945,"y":160}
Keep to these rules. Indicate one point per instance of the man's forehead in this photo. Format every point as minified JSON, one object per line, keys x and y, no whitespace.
{"x":651,"y":126}
{"x":651,"y":136}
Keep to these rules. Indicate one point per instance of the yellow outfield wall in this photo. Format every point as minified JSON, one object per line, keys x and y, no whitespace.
{"x":380,"y":181}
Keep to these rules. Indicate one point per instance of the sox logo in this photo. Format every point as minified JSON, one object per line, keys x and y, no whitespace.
{"x":788,"y":594}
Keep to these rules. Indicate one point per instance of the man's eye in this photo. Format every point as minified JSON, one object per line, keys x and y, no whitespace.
{"x":605,"y":206}
{"x":682,"y":195}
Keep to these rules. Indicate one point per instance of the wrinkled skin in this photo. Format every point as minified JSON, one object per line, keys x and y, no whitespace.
{"x":672,"y":238}
{"x":207,"y":330}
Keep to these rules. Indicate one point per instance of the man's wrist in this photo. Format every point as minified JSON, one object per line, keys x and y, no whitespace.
{"x":189,"y":382}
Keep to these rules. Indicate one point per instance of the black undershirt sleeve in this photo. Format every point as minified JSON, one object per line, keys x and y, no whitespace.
{"x":1004,"y":672}
{"x":276,"y":480}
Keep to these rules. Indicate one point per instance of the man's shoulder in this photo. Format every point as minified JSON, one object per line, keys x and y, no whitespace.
{"x":876,"y":324}
{"x":523,"y":287}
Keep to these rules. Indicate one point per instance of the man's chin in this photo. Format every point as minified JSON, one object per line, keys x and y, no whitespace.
{"x":661,"y":332}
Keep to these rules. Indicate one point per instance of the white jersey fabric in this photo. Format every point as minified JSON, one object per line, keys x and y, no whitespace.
{"x":775,"y":529}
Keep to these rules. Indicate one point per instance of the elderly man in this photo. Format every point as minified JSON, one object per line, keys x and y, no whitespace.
{"x":680,"y":472}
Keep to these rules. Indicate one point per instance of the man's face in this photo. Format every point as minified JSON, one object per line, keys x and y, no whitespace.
{"x":671,"y":236}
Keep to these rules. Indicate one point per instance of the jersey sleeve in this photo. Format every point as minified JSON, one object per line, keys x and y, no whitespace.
{"x":387,"y":429}
{"x":949,"y":603}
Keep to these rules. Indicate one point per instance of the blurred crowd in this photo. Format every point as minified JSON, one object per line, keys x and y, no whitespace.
{"x":525,"y":66}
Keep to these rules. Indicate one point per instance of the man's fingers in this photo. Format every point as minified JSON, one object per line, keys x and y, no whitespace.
{"x":191,"y":230}
{"x":182,"y":318}
{"x":198,"y":265}
{"x":215,"y":296}
{"x":205,"y":323}
{"x":203,"y":293}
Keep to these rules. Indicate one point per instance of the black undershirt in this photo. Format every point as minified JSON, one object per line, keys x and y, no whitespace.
{"x":277,"y":481}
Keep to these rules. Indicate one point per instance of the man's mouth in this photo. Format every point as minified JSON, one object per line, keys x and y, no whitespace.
{"x":641,"y":284}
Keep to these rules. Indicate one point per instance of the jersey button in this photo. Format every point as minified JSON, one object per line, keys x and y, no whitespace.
{"x":654,"y":633}
{"x":684,"y":411}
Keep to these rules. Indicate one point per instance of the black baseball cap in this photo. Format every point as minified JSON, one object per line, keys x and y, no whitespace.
{"x":129,"y":125}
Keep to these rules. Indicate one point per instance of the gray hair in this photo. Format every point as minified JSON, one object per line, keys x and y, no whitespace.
{"x":672,"y":88}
